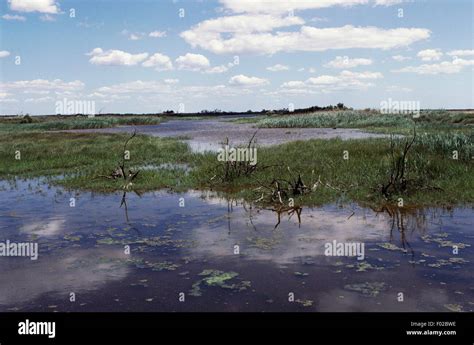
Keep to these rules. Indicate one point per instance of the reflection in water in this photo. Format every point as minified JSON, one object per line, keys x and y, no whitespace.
{"x":398,"y":221}
{"x":67,"y":270}
{"x":192,"y":249}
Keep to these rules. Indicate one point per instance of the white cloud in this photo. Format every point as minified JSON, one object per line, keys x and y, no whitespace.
{"x":157,"y":34}
{"x":192,"y":62}
{"x":37,"y":92}
{"x":240,"y":24}
{"x":47,"y":18}
{"x":395,"y":88}
{"x":346,"y":80}
{"x":39,"y":100}
{"x":217,"y":69}
{"x":14,"y":17}
{"x":400,"y":58}
{"x":8,"y":100}
{"x":115,"y":57}
{"x":318,"y":19}
{"x":251,"y":29}
{"x":243,"y":80}
{"x":167,"y":91}
{"x":42,"y":6}
{"x":251,"y":39}
{"x":388,"y":2}
{"x":137,"y":86}
{"x":278,"y":6}
{"x":445,"y":67}
{"x":278,"y":68}
{"x":171,"y":81}
{"x":430,"y":55}
{"x":134,"y":37}
{"x":461,"y":53}
{"x":293,"y":84}
{"x":345,"y":62}
{"x":43,"y":84}
{"x":4,"y":53}
{"x":159,"y":61}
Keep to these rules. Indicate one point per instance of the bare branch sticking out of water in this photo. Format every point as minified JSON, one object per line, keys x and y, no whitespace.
{"x":120,"y":172}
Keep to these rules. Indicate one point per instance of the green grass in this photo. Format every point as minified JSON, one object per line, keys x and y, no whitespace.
{"x":253,"y":119}
{"x":73,"y":122}
{"x":372,"y":120}
{"x":440,"y":179}
{"x":80,"y":157}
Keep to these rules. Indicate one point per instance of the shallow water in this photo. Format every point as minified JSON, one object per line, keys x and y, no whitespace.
{"x":208,"y":135}
{"x":191,"y":250}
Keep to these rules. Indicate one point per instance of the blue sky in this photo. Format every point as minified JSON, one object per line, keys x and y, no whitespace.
{"x":149,"y":56}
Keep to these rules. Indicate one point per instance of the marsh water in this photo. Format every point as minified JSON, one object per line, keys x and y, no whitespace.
{"x":209,"y":134}
{"x":198,"y":251}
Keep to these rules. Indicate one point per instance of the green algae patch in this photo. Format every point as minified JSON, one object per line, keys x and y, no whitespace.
{"x":367,"y":289}
{"x":155,"y":266}
{"x":365,"y":266}
{"x":72,"y":238}
{"x":390,"y":246}
{"x":453,"y":307}
{"x":450,"y":262}
{"x":305,"y":302}
{"x":263,"y":243}
{"x":216,"y":278}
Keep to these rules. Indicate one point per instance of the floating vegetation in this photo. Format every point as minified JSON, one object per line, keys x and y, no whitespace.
{"x":367,"y":289}
{"x":365,"y":266}
{"x":110,"y":241}
{"x":220,"y":279}
{"x":144,"y":243}
{"x":453,"y":307}
{"x":263,"y":243}
{"x":155,"y":266}
{"x":442,"y":262}
{"x":72,"y":238}
{"x":390,"y":246}
{"x":305,"y":302}
{"x":443,"y":242}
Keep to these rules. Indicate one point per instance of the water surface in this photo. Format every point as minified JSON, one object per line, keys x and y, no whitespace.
{"x":209,"y":134}
{"x":191,"y":250}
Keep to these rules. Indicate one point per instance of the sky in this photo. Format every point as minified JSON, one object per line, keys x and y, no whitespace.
{"x":145,"y":56}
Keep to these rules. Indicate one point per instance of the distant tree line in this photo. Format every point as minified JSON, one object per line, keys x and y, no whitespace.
{"x":338,"y":106}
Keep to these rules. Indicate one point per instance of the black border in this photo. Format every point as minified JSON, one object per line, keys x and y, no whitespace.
{"x":237,"y":328}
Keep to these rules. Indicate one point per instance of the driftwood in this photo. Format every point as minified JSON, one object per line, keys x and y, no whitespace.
{"x":235,"y":169}
{"x":281,"y":190}
{"x":120,"y":172}
{"x":398,"y":180}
